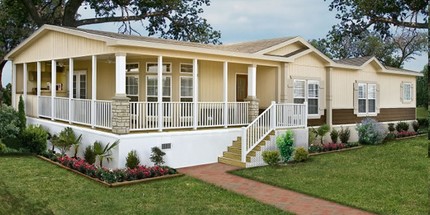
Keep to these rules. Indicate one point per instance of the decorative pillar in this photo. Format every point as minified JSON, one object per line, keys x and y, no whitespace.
{"x":329,"y":96}
{"x":24,"y":93}
{"x":120,"y":103}
{"x":14,"y":86}
{"x":225,"y":93}
{"x":71,"y":71}
{"x":93,"y":89}
{"x":160,"y":92}
{"x":195,"y":94}
{"x":253,"y":107}
{"x":38,"y":84}
{"x":53,"y":87}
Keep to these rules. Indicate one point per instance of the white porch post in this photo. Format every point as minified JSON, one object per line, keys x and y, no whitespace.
{"x":93,"y":89}
{"x":71,"y":70}
{"x":160,"y":92}
{"x":24,"y":93}
{"x":195,"y":94}
{"x":252,"y":81}
{"x":120,"y":74}
{"x":225,"y":93}
{"x":120,"y":103}
{"x":14,"y":85}
{"x":53,"y":86}
{"x":38,"y":84}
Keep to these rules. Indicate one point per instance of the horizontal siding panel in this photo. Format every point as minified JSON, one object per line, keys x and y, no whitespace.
{"x":347,"y":116}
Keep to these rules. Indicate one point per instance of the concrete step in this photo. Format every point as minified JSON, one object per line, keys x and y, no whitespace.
{"x":231,"y":162}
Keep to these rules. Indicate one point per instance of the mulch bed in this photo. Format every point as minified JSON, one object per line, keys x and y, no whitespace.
{"x":116,"y":184}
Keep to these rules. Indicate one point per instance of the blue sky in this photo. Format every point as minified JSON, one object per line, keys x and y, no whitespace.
{"x":244,"y":20}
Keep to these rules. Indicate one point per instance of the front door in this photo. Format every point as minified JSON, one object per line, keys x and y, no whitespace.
{"x":80,"y":84}
{"x":241,"y":87}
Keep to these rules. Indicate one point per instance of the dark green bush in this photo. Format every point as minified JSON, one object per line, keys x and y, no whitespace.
{"x":415,"y":126}
{"x":157,"y":156}
{"x":390,"y":136}
{"x":21,"y":114}
{"x":90,"y":155}
{"x":391,"y":127}
{"x":301,"y":154}
{"x":370,"y":132}
{"x":334,"y":134}
{"x":271,"y":157}
{"x":9,"y":127}
{"x":344,"y":135}
{"x":423,"y":122}
{"x":402,"y":126}
{"x":285,"y":145}
{"x":132,"y":160}
{"x":2,"y":148}
{"x":34,"y":138}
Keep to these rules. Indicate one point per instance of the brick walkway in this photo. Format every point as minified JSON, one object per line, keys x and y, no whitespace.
{"x":281,"y":198}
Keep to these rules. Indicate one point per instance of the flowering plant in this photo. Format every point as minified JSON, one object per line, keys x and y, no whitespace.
{"x":406,"y":134}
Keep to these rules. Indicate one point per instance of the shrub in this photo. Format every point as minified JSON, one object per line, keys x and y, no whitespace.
{"x":301,"y":154}
{"x":344,"y":135}
{"x":334,"y":134}
{"x":315,"y":148}
{"x":402,"y":126}
{"x":104,"y":152}
{"x":34,"y":138}
{"x":65,"y":140}
{"x":285,"y":145}
{"x":271,"y":157}
{"x":391,"y":127}
{"x":415,"y":126}
{"x":423,"y":122}
{"x":9,"y":127}
{"x":311,"y":136}
{"x":89,"y":155}
{"x":2,"y":147}
{"x":390,"y":136}
{"x":322,"y":131}
{"x":132,"y":160}
{"x":370,"y":132}
{"x":21,"y":114}
{"x":157,"y":156}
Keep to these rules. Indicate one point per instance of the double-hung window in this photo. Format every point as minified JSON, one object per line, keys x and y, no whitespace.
{"x":132,"y":81}
{"x":407,"y":92}
{"x":307,"y":90}
{"x":366,"y":98}
{"x":186,"y":89}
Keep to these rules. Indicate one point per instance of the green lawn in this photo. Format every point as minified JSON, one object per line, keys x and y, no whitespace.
{"x":32,"y":186}
{"x":386,"y":179}
{"x":421,"y":112}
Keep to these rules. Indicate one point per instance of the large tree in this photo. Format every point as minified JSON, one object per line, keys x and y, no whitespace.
{"x":172,"y":19}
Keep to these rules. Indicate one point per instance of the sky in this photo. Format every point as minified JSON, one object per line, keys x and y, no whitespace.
{"x":246,"y":20}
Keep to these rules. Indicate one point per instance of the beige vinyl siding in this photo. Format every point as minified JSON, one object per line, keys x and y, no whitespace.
{"x":266,"y":85}
{"x":105,"y":80}
{"x":389,"y":85}
{"x":287,"y":49}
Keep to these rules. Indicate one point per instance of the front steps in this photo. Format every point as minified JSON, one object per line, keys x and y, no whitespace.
{"x":234,"y":152}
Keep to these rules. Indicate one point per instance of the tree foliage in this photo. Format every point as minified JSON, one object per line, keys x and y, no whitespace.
{"x":422,"y":89}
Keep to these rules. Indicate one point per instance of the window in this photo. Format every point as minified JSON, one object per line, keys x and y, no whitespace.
{"x":407,"y":92}
{"x":187,"y":68}
{"x":132,"y":81}
{"x":307,"y":90}
{"x":152,"y":67}
{"x":366,"y":98}
{"x":152,"y":88}
{"x":186,"y":89}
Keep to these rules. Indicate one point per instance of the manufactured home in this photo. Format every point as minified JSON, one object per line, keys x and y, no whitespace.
{"x":200,"y":103}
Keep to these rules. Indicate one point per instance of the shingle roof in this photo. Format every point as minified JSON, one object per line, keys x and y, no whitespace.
{"x":244,"y":47}
{"x":354,"y":61}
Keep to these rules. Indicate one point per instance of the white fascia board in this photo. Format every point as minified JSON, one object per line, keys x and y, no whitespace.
{"x":417,"y":74}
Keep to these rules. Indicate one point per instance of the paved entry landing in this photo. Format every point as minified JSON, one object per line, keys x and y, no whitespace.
{"x":281,"y":198}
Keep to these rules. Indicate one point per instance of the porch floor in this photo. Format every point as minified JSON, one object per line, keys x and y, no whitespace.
{"x":287,"y":200}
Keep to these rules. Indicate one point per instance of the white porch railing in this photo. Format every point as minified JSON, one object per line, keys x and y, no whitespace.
{"x":61,"y":108}
{"x":81,"y":111}
{"x":275,"y":116}
{"x":177,"y":115}
{"x":45,"y":106}
{"x":103,"y":114}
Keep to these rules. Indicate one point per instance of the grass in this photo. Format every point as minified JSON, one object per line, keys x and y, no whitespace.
{"x":422,"y":112}
{"x":31,"y":186}
{"x":386,"y":179}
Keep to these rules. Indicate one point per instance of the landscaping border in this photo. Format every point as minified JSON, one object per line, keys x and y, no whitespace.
{"x":116,"y":184}
{"x":333,"y":151}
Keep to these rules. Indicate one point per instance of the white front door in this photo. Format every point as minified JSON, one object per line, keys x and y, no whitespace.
{"x":80,"y":84}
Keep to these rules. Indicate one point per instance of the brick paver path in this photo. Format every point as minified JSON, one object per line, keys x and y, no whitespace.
{"x":281,"y":198}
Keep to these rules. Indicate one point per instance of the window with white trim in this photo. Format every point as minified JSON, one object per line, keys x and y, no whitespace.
{"x":186,"y":85}
{"x":366,"y":98}
{"x":186,"y":68}
{"x":152,"y":88}
{"x":307,"y":90}
{"x":151,"y":67}
{"x":132,"y":81}
{"x":407,"y":92}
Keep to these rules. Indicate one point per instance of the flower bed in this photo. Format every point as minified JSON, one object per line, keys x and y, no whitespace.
{"x":113,"y":178}
{"x":405,"y":134}
{"x":326,"y":147}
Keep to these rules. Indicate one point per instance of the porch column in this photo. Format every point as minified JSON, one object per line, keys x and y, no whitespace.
{"x":14,"y":86}
{"x":160,"y":92}
{"x":284,"y":83}
{"x":120,"y":103}
{"x":225,"y":93}
{"x":38,"y":84}
{"x":93,"y":89}
{"x":71,"y":70}
{"x":329,"y":94}
{"x":24,"y":93}
{"x":195,"y":94}
{"x":253,"y":108}
{"x":53,"y":86}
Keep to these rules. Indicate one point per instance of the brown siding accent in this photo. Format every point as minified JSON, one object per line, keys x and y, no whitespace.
{"x":347,"y":116}
{"x":317,"y":122}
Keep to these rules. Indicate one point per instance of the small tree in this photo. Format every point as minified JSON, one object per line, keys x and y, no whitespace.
{"x":157,"y":156}
{"x":334,"y":134}
{"x":104,"y":152}
{"x":321,"y":132}
{"x":285,"y":144}
{"x":65,"y":140}
{"x":89,"y":155}
{"x":132,"y":160}
{"x":21,"y":114}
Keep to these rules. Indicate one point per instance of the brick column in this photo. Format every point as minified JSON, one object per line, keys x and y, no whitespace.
{"x":120,"y":115}
{"x":253,"y":108}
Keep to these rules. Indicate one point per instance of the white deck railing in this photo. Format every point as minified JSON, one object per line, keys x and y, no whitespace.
{"x":177,"y":115}
{"x":275,"y":116}
{"x":81,"y":111}
{"x":61,"y":107}
{"x":103,"y":114}
{"x":45,"y":106}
